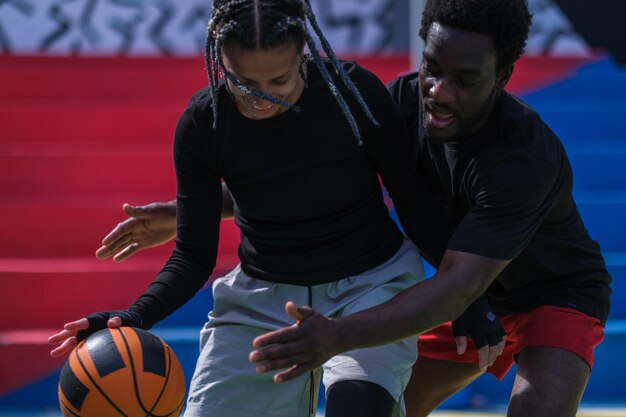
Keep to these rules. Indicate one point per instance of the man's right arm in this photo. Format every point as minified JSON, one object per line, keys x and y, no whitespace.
{"x":149,"y":226}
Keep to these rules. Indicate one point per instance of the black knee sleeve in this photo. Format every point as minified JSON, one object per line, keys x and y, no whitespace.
{"x":358,"y":398}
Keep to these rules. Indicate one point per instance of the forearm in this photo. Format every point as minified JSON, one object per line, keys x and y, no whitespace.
{"x":459,"y":281}
{"x":228,"y":205}
{"x":169,"y":291}
{"x":406,"y":315}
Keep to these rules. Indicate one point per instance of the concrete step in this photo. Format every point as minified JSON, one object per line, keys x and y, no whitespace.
{"x":587,"y":124}
{"x":86,"y":130}
{"x":83,"y":291}
{"x":63,"y":180}
{"x":599,"y":171}
{"x":570,"y":101}
{"x":25,"y":364}
{"x":64,"y":80}
{"x":616,"y":264}
{"x":50,"y":298}
{"x":40,"y":231}
{"x":607,"y":146}
{"x":30,"y":376}
{"x":606,"y":223}
{"x":581,"y":86}
{"x":48,"y":232}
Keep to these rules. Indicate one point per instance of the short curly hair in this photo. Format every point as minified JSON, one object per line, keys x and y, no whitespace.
{"x":506,"y":22}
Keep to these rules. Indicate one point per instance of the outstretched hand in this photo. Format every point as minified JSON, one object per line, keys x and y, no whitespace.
{"x":69,"y":336}
{"x":304,"y":346}
{"x":78,"y":330}
{"x":148,"y":226}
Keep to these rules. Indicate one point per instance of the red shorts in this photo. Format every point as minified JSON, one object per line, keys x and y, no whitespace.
{"x":549,"y":326}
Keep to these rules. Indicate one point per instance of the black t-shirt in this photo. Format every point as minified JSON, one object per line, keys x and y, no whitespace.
{"x":507,"y":193}
{"x":308,"y":199}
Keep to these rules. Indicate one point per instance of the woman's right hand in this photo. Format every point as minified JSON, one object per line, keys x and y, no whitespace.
{"x":78,"y":330}
{"x":148,"y":226}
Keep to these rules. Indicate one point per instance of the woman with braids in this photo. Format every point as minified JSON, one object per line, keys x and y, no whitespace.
{"x":301,"y":153}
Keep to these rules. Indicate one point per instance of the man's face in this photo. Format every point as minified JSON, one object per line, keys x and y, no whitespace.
{"x":458,"y":82}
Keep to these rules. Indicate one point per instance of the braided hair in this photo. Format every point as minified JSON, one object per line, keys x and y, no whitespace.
{"x":265,"y":24}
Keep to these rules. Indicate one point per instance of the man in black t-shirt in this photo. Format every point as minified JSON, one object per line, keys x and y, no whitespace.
{"x":504,"y":181}
{"x":507,"y":191}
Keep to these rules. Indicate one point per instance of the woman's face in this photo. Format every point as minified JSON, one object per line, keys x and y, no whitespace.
{"x":274,"y":71}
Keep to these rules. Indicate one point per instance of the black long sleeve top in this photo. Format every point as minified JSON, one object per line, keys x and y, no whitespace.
{"x":308,"y":199}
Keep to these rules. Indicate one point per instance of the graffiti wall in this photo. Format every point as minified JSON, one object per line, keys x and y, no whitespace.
{"x":177,"y":27}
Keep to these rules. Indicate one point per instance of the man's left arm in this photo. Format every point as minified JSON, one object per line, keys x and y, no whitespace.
{"x":313,"y":339}
{"x":508,"y":211}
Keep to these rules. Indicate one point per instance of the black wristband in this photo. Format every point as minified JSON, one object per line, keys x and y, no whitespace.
{"x":98,"y":321}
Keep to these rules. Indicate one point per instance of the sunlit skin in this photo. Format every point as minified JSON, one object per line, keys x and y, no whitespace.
{"x":274,"y":71}
{"x":458,"y":81}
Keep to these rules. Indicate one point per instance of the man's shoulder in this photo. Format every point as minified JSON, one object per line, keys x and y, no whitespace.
{"x":516,"y":114}
{"x":404,"y":85}
{"x":520,"y":123}
{"x":405,"y":92}
{"x":518,"y":141}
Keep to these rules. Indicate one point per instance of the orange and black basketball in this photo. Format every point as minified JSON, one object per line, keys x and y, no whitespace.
{"x":122,"y":372}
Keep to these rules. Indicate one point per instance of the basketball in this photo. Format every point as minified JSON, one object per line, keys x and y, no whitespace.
{"x":122,"y":372}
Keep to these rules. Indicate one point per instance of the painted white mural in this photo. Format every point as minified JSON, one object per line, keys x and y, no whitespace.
{"x":171,"y":27}
{"x":552,"y":33}
{"x":177,"y":27}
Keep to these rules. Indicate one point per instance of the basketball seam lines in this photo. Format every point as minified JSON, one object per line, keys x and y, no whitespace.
{"x":170,"y":354}
{"x":167,"y":377}
{"x":149,"y":413}
{"x":68,"y":408}
{"x":132,"y":369}
{"x":106,"y":397}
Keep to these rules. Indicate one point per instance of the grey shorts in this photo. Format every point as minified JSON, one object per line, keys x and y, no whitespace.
{"x":226,"y":384}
